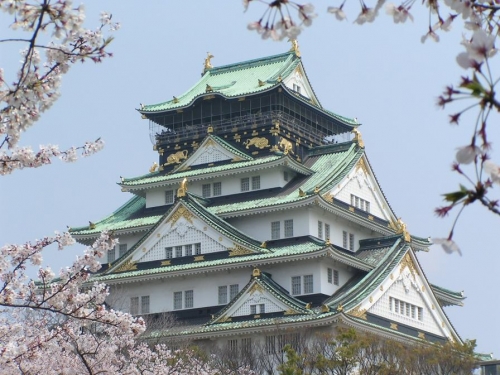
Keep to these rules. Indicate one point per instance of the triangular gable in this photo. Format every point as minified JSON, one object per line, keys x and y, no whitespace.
{"x":261,"y":296}
{"x":183,"y":232}
{"x":405,"y":298}
{"x":360,"y":188}
{"x":298,"y":83}
{"x":213,"y":150}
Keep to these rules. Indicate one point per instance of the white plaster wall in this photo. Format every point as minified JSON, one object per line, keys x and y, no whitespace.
{"x":382,"y":307}
{"x":345,"y":273}
{"x":361,"y":186}
{"x":128,"y":239}
{"x":269,"y":178}
{"x":259,"y":226}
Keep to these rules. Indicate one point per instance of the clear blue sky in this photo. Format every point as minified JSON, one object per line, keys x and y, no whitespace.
{"x":379,"y":73}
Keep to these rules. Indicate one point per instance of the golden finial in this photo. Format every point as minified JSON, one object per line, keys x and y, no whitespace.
{"x":182,"y":190}
{"x":325,"y":308}
{"x":261,"y":83}
{"x":357,"y":137}
{"x":263,"y":245}
{"x":316,"y":190}
{"x":210,"y":129}
{"x":91,"y":225}
{"x":256,"y":272}
{"x":175,"y":100}
{"x":279,"y":78}
{"x":153,"y":168}
{"x":295,"y":47}
{"x":207,"y":65}
{"x":301,"y":193}
{"x":340,"y":308}
{"x":328,"y":243}
{"x":209,"y":88}
{"x":308,"y":306}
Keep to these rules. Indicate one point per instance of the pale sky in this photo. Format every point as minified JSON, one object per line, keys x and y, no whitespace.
{"x":379,"y":73}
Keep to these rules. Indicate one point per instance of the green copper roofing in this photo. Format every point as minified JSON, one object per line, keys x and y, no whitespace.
{"x":235,"y":80}
{"x":158,"y":177}
{"x":275,"y":253}
{"x":327,"y":168}
{"x":119,"y":219}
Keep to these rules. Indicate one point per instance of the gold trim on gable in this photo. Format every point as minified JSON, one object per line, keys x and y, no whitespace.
{"x":127,"y":266}
{"x":408,"y":262}
{"x":181,"y":212}
{"x":358,"y":312}
{"x":237,"y":250}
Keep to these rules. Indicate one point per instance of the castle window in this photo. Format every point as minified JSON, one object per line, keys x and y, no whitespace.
{"x":223,"y":295}
{"x":348,"y":240}
{"x":245,"y":184}
{"x":169,"y":253}
{"x":406,"y":309}
{"x":335,"y":277}
{"x":296,"y":88}
{"x":233,"y":291}
{"x":122,"y":249}
{"x":134,"y":305}
{"x":197,"y":248}
{"x":255,"y":182}
{"x":177,"y":300}
{"x":232,"y":346}
{"x":289,"y":228}
{"x":145,"y":305}
{"x":327,"y":231}
{"x":169,"y":197}
{"x":188,"y":299}
{"x":275,"y":230}
{"x":111,"y":255}
{"x":257,"y":309}
{"x":351,"y":241}
{"x":217,"y":189}
{"x":206,"y":190}
{"x":360,"y":203}
{"x":178,"y":251}
{"x":189,"y":250}
{"x":330,"y":275}
{"x":344,"y":239}
{"x":298,"y":281}
{"x":320,"y":229}
{"x":246,"y":345}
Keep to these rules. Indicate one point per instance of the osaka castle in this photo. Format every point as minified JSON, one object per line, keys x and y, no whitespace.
{"x":264,"y":214}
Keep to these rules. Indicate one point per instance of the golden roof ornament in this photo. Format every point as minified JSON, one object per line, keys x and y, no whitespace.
{"x":328,"y":243}
{"x":357,"y":137}
{"x":210,"y":129}
{"x":263,"y":245}
{"x":91,"y":225}
{"x":207,"y":65}
{"x":182,"y":190}
{"x":256,"y":272}
{"x":153,"y":168}
{"x":175,"y":100}
{"x":295,"y":47}
{"x":400,"y":228}
{"x":308,"y":306}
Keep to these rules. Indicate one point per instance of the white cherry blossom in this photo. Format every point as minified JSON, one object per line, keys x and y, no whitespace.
{"x":448,"y":245}
{"x":467,"y":154}
{"x":493,"y":170}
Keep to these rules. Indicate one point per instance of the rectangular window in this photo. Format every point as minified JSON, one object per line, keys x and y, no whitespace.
{"x":178,"y":251}
{"x":270,"y":344}
{"x":308,"y":284}
{"x":335,"y":277}
{"x":197,"y":248}
{"x":344,"y":239}
{"x":253,"y":309}
{"x":189,"y":250}
{"x":111,"y":255}
{"x":289,"y":228}
{"x":169,"y":197}
{"x":188,"y":299}
{"x":222,"y":295}
{"x":145,"y":305}
{"x":360,"y":203}
{"x":367,"y":206}
{"x":246,"y":345}
{"x":351,"y":241}
{"x":357,"y":201}
{"x":217,"y":189}
{"x":406,"y":309}
{"x":296,"y":285}
{"x":330,"y":276}
{"x":245,"y":184}
{"x":275,"y":230}
{"x":296,"y":88}
{"x":123,"y":249}
{"x":232,"y":346}
{"x":320,"y":229}
{"x":353,"y":200}
{"x":255,"y":182}
{"x":206,"y":190}
{"x":327,"y":231}
{"x":168,"y":253}
{"x":262,"y":308}
{"x":233,"y":291}
{"x":177,"y":300}
{"x":134,"y":305}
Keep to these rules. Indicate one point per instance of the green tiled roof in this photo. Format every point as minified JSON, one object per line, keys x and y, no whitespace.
{"x":157,"y":177}
{"x":234,"y":80}
{"x":119,"y":219}
{"x":276,"y":252}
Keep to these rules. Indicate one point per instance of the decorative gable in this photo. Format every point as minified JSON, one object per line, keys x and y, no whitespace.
{"x":360,"y":190}
{"x":213,"y":150}
{"x":298,"y":83}
{"x":261,"y":296}
{"x":405,"y":298}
